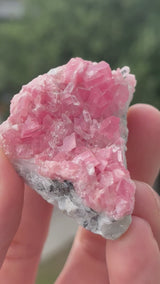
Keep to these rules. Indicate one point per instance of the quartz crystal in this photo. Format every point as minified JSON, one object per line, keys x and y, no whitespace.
{"x":66,"y":136}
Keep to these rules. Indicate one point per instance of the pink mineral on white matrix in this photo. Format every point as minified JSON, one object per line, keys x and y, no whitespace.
{"x":71,"y":124}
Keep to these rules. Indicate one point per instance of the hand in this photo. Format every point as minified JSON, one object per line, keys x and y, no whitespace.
{"x":133,"y":258}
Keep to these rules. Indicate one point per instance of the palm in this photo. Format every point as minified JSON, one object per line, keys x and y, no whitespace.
{"x":134,"y":258}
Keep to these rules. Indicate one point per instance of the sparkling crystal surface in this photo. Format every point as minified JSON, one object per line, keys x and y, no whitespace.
{"x":66,"y":136}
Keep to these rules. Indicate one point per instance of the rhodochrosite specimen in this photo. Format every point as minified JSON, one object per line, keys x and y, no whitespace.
{"x":66,"y":137}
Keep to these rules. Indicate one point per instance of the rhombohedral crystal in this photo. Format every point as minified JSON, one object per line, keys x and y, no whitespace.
{"x":66,"y":136}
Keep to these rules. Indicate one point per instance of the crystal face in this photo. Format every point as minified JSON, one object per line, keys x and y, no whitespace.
{"x":66,"y":136}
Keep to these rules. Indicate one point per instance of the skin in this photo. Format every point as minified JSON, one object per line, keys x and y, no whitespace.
{"x":133,"y":258}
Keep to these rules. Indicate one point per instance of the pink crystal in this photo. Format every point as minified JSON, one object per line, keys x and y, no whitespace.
{"x":71,"y":125}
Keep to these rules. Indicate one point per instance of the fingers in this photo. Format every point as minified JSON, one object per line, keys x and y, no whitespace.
{"x":134,"y":258}
{"x":23,"y":256}
{"x":147,"y":207}
{"x":143,"y":155}
{"x":11,"y":202}
{"x":86,"y":263}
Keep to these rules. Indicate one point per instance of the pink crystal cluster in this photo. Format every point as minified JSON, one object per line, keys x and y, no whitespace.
{"x":71,"y":124}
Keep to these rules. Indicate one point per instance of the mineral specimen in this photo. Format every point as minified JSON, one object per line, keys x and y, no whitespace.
{"x":66,"y":136}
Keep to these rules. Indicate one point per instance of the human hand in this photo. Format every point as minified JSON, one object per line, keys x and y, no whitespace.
{"x":133,"y":258}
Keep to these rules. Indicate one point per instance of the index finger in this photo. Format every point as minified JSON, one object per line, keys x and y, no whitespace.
{"x":11,"y":203}
{"x":143,"y":155}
